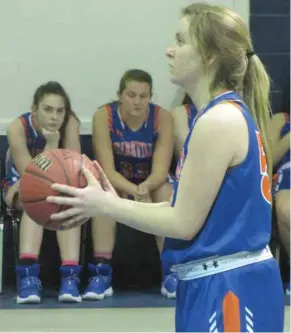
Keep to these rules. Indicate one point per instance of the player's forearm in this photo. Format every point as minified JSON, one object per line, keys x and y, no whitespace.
{"x":155,"y":180}
{"x":282,"y":148}
{"x":21,"y":162}
{"x":160,"y":220}
{"x":121,"y":184}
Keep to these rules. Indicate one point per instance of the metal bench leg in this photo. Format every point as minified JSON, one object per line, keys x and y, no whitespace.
{"x":1,"y":252}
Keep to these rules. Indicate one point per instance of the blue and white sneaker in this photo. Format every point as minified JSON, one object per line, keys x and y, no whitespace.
{"x":99,"y":285}
{"x":69,"y":291}
{"x":169,"y":285}
{"x":29,"y":285}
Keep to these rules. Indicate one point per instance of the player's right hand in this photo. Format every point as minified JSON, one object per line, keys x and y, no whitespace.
{"x":142,"y":194}
{"x":51,"y":137}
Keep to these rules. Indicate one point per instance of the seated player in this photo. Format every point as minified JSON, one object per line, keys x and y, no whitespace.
{"x":50,"y":124}
{"x":133,"y":141}
{"x":281,"y":122}
{"x":281,"y":138}
{"x":183,"y":116}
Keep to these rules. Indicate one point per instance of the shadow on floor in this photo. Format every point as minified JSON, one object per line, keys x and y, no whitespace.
{"x":121,"y":299}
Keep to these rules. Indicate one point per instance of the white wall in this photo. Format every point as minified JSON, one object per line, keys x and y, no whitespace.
{"x":86,"y":46}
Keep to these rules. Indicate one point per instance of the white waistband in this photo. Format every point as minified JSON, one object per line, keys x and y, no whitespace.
{"x":213,"y":265}
{"x":284,"y":166}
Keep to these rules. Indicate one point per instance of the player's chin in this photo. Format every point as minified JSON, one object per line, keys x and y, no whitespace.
{"x":53,"y":128}
{"x":175,"y":79}
{"x":137,"y":112}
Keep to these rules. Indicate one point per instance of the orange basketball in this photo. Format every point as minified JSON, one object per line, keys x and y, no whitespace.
{"x":61,"y":166}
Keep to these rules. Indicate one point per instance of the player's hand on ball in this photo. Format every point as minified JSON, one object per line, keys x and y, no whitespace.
{"x":85,"y":202}
{"x":107,"y":186}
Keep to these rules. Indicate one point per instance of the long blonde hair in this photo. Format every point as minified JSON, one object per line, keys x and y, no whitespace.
{"x":223,"y":40}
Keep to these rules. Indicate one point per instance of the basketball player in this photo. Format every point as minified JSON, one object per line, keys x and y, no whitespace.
{"x":49,"y":125}
{"x":133,"y":140}
{"x":218,"y":225}
{"x":281,"y":134}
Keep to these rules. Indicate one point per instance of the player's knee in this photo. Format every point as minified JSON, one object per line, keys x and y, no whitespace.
{"x":282,"y":202}
{"x":25,"y":219}
{"x":11,"y":197}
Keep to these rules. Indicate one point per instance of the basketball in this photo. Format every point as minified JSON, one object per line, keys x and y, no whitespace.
{"x":61,"y":166}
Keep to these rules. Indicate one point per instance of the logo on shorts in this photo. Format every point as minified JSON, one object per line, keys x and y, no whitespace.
{"x":210,"y":265}
{"x":42,"y":162}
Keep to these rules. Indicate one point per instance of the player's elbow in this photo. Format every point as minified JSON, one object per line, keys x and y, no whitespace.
{"x":188,"y":229}
{"x":187,"y":235}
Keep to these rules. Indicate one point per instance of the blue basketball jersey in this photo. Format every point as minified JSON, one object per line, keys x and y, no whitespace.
{"x":35,"y":143}
{"x":282,"y":178}
{"x":240,"y":217}
{"x":191,"y":113}
{"x":133,"y":150}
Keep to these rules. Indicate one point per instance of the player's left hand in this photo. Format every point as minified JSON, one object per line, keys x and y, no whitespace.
{"x":85,"y":202}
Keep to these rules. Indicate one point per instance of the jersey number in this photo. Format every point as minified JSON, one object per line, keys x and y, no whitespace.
{"x":265,"y":179}
{"x":141,"y":170}
{"x":126,"y":169}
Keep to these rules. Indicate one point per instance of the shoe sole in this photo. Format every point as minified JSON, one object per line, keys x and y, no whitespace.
{"x":90,"y":296}
{"x":32,"y":299}
{"x":68,"y":298}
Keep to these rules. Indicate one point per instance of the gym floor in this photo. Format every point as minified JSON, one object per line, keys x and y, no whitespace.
{"x":125,"y":312}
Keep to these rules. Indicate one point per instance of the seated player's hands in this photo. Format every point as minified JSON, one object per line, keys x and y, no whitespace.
{"x":142,"y":193}
{"x":85,"y":202}
{"x":51,"y":136}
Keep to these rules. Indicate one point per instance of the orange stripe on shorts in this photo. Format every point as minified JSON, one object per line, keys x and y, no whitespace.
{"x":231,"y":313}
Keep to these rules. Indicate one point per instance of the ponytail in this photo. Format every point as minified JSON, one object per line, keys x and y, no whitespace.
{"x":256,"y":93}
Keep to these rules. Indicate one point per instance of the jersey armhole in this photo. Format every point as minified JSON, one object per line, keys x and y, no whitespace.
{"x":24,"y":123}
{"x":188,"y":110}
{"x":110,"y":117}
{"x":157,"y":110}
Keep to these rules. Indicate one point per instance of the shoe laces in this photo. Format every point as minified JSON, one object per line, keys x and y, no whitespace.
{"x":71,"y":278}
{"x":96,"y":279}
{"x":31,"y":280}
{"x":171,"y":276}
